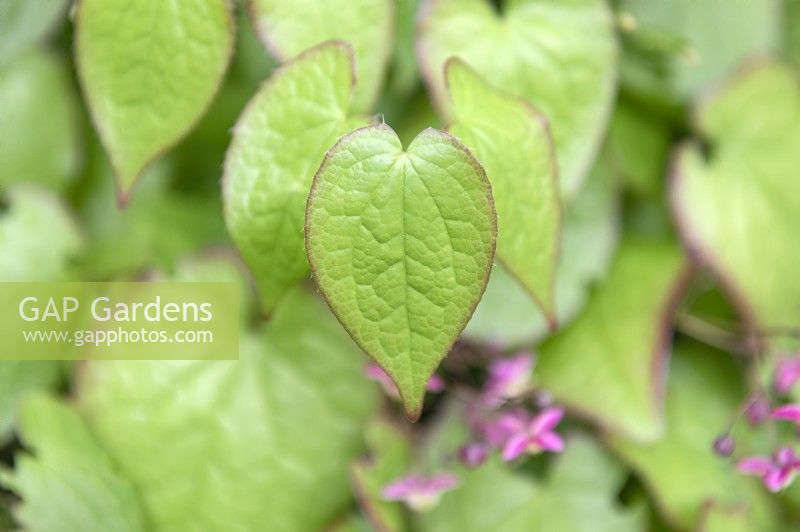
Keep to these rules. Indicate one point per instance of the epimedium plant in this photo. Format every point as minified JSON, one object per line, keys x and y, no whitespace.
{"x":451,"y":236}
{"x":377,"y":258}
{"x":298,"y":114}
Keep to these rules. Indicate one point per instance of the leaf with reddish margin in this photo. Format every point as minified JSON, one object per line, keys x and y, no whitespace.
{"x":507,"y":317}
{"x":401,"y":243}
{"x":559,"y":55}
{"x":149,"y":70}
{"x":738,"y":210}
{"x":289,"y":27}
{"x":513,"y":143}
{"x":609,"y":364}
{"x":278,"y":143}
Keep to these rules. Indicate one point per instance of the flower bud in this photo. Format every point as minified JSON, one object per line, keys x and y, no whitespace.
{"x":472,"y":454}
{"x":724,"y":445}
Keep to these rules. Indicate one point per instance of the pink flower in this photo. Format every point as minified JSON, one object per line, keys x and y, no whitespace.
{"x":497,"y":432}
{"x":776,"y":472}
{"x":418,"y":492}
{"x":788,"y":412}
{"x":787,"y":373}
{"x":473,"y":454}
{"x":509,"y":378}
{"x":374,"y":372}
{"x":536,"y":436}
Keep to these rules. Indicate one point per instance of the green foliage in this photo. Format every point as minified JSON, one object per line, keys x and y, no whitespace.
{"x":401,"y":244}
{"x":682,"y":473}
{"x":68,"y":483}
{"x":288,"y":28}
{"x":244,"y":431}
{"x":24,"y":23}
{"x":576,"y":496}
{"x":619,"y":381}
{"x":506,"y":316}
{"x":697,"y":43}
{"x":523,"y":50}
{"x":389,"y":458}
{"x":513,"y":143}
{"x":275,"y":153}
{"x":38,"y":105}
{"x":279,"y":142}
{"x":739,"y":209}
{"x":149,"y":70}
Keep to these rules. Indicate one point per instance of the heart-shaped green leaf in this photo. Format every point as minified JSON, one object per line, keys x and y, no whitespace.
{"x":149,"y":70}
{"x":609,"y":364}
{"x":512,"y":141}
{"x":278,"y":144}
{"x":288,"y":28}
{"x":561,"y":56}
{"x":266,"y":439}
{"x":739,"y":209}
{"x":401,"y":244}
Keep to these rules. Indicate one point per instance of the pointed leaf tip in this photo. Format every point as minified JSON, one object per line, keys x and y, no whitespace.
{"x":138,"y":111}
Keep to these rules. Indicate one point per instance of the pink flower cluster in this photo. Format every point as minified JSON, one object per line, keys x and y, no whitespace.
{"x":780,"y":469}
{"x":499,"y":422}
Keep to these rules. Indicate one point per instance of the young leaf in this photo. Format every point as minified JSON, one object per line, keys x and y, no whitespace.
{"x":38,"y":115}
{"x":609,"y":364}
{"x":513,"y":143}
{"x":278,"y":144}
{"x":506,"y":316}
{"x":401,"y":244}
{"x":739,"y":210}
{"x":681,"y":470}
{"x":288,"y":28}
{"x":266,"y":439}
{"x":68,"y":483}
{"x":560,"y":56}
{"x":148,"y":71}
